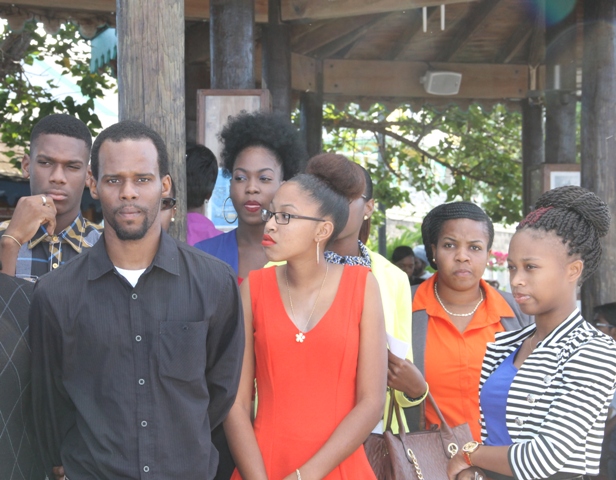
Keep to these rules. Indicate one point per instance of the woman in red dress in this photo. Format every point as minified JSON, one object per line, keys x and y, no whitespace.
{"x":315,"y":342}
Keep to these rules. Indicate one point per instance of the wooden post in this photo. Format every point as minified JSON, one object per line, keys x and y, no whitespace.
{"x":532,"y":151}
{"x":599,"y":137}
{"x":311,"y":115}
{"x":232,"y":24}
{"x":151,"y":80}
{"x":277,"y":60}
{"x":560,"y":125}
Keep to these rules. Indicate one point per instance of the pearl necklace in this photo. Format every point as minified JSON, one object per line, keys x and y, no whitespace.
{"x":458,"y":314}
{"x":299,"y":337}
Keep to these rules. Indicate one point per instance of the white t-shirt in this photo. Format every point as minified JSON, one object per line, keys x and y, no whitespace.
{"x":131,"y":275}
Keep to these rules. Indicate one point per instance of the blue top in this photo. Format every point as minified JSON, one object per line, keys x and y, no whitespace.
{"x":223,"y":247}
{"x":493,"y":400}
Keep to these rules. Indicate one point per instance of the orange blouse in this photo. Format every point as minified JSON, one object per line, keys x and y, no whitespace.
{"x":453,"y":359}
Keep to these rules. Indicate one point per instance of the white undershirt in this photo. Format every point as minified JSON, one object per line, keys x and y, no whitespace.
{"x":131,"y":275}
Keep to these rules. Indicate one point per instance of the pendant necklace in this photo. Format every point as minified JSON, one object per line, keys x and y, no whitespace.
{"x":458,"y":314}
{"x":300,"y":336}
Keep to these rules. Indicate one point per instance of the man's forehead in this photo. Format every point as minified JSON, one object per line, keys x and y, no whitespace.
{"x":57,"y":141}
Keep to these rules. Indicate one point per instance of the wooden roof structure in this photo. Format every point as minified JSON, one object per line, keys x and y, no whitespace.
{"x":369,"y":50}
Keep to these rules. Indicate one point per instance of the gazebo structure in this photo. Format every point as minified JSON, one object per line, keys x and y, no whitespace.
{"x":542,"y":57}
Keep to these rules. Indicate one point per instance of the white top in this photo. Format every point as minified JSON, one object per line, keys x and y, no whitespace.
{"x":131,"y":275}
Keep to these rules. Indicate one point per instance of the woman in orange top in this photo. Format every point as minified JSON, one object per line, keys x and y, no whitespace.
{"x":315,"y":342}
{"x":456,"y":313}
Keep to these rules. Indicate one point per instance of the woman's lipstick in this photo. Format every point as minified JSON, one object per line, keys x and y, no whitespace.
{"x":267,"y":241}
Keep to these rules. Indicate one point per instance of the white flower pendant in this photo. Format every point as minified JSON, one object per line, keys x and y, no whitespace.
{"x":299,"y":337}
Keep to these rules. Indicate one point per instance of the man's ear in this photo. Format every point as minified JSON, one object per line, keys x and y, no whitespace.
{"x":25,"y":166}
{"x":91,"y":183}
{"x":574,"y":270}
{"x":166,"y":185}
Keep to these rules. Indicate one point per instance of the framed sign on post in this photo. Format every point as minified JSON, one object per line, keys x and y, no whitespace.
{"x":214,"y":107}
{"x":560,"y":174}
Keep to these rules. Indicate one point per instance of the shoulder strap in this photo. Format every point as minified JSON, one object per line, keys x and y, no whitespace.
{"x":415,"y":415}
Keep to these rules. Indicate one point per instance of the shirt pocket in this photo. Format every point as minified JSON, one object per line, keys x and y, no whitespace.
{"x":182,"y":354}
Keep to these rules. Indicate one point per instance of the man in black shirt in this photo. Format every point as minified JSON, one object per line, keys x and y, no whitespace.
{"x":19,"y":459}
{"x":137,"y":343}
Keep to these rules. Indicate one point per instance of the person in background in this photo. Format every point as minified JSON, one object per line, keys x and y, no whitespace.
{"x":19,"y":456}
{"x":260,"y":151}
{"x":137,"y":343}
{"x":201,"y":175}
{"x":315,"y":342}
{"x":421,"y":263}
{"x":545,"y":389}
{"x":348,"y":249}
{"x":456,"y":314}
{"x":404,"y":258}
{"x":47,"y":228}
{"x":168,"y":209}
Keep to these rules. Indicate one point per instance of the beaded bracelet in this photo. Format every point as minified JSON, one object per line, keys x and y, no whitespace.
{"x":299,"y":475}
{"x":419,"y":399}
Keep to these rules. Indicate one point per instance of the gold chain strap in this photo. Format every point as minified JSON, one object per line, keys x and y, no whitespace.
{"x":412,"y":456}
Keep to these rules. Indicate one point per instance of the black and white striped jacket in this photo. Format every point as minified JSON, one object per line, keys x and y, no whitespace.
{"x":558,"y":400}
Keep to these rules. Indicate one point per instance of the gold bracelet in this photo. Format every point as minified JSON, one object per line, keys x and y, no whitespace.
{"x":299,"y":475}
{"x":13,"y":238}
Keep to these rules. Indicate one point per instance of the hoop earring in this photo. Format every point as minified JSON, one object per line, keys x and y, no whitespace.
{"x":224,"y":212}
{"x":318,"y":256}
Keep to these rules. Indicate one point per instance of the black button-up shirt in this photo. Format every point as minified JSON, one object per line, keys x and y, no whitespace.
{"x":128,"y":382}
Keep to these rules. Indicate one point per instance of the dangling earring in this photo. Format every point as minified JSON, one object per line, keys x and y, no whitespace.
{"x":172,"y":219}
{"x":224,"y":212}
{"x":318,"y":256}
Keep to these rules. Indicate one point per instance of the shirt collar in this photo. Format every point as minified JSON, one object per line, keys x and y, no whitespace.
{"x":166,"y":258}
{"x":362,"y":259}
{"x":73,"y":235}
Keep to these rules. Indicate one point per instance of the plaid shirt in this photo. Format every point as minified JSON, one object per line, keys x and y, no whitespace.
{"x":44,"y":252}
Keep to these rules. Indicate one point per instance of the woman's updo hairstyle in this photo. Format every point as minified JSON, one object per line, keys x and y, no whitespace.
{"x":268,"y":130}
{"x":331,"y":203}
{"x":578,"y":217}
{"x":433,"y":223}
{"x":344,"y":176}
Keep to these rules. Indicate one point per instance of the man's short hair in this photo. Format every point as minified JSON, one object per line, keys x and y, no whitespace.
{"x":130,"y":130}
{"x":61,"y":124}
{"x":201,"y":175}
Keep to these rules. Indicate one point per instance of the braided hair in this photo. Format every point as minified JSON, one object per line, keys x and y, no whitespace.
{"x":434,"y":221}
{"x":578,"y":217}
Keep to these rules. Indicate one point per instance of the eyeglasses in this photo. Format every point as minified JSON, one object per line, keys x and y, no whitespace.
{"x":362,"y":196}
{"x":283,"y":218}
{"x":167,"y":203}
{"x":604,"y":325}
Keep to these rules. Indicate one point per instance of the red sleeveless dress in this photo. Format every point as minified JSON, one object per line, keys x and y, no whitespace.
{"x":305,"y":389}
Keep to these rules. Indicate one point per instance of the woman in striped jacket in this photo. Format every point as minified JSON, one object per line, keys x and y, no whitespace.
{"x":545,"y":389}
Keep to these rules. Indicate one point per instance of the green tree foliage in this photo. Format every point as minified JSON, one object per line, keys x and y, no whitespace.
{"x":22,"y":103}
{"x":471,"y":155}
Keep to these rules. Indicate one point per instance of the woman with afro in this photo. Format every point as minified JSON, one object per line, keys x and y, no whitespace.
{"x":545,"y":389}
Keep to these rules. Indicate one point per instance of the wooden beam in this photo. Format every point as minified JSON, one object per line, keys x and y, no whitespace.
{"x":337,"y":45}
{"x":536,"y":52}
{"x":414,"y":27}
{"x":514,"y":44}
{"x":328,"y":32}
{"x":402,"y":79}
{"x":327,"y":9}
{"x":466,"y":27}
{"x":193,"y":9}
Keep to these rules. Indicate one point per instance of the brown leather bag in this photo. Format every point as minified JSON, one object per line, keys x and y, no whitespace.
{"x":418,"y":455}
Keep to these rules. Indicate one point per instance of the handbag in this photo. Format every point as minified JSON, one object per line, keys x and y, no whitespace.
{"x":418,"y":455}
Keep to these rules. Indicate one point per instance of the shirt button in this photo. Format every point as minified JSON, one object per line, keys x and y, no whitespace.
{"x":144,"y":424}
{"x":138,"y":338}
{"x":141,"y":381}
{"x":146,"y":469}
{"x":54,"y":239}
{"x":519,"y":422}
{"x":55,"y":265}
{"x":134,"y":296}
{"x":547,"y":379}
{"x":530,"y":399}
